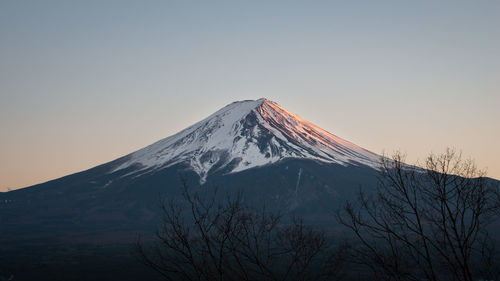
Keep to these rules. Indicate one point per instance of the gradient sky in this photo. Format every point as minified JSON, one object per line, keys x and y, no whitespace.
{"x":84,"y":82}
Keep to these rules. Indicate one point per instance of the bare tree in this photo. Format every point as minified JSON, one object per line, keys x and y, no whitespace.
{"x":426,"y":223}
{"x":205,"y":238}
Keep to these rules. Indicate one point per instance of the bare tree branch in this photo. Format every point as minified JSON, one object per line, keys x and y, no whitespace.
{"x":426,"y":223}
{"x":205,"y":238}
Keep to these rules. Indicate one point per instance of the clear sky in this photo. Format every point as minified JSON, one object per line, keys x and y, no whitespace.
{"x":84,"y":82}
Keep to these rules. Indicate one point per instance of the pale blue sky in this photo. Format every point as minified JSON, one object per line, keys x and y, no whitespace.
{"x":84,"y":82}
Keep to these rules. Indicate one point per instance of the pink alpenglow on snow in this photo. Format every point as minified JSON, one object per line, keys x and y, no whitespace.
{"x":244,"y":135}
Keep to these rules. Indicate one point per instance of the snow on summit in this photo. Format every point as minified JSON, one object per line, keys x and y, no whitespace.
{"x":247,"y":134}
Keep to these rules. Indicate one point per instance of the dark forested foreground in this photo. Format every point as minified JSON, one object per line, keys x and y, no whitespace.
{"x":430,"y":223}
{"x":88,"y":262}
{"x":72,"y":262}
{"x":438,"y":222}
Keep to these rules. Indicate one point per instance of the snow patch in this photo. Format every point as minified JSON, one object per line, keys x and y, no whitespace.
{"x":251,"y":134}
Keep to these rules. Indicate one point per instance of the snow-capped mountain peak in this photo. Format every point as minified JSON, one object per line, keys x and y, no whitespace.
{"x":244,"y":135}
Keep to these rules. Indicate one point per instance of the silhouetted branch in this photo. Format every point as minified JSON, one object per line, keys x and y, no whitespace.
{"x":208,"y":238}
{"x":426,"y":223}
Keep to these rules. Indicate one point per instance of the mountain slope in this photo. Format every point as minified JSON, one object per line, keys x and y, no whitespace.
{"x":256,"y":147}
{"x":245,"y":135}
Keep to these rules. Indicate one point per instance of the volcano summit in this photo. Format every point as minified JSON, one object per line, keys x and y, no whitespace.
{"x":244,"y":135}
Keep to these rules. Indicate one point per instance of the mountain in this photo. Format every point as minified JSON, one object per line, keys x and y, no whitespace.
{"x":254,"y":146}
{"x":82,"y":225}
{"x":245,"y":135}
